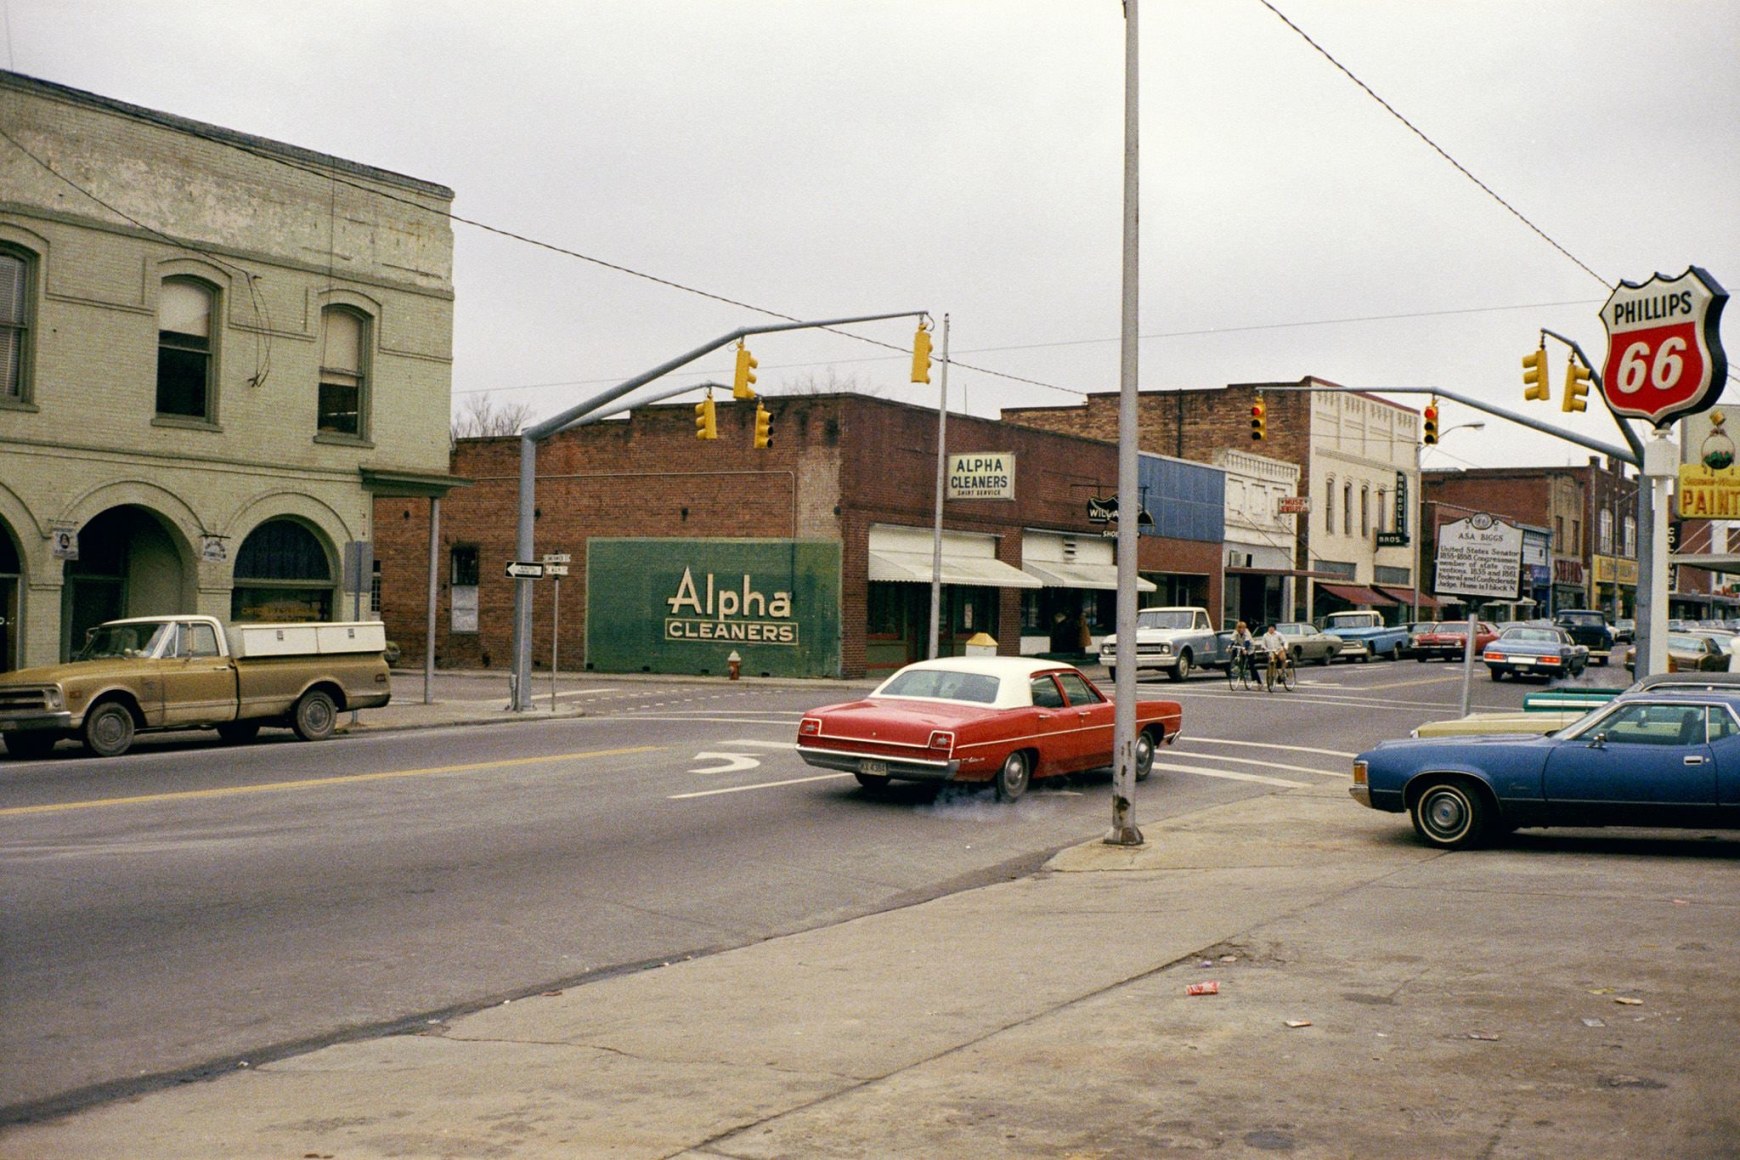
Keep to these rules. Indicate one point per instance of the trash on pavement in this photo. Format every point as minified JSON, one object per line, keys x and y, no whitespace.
{"x":1211,"y":987}
{"x":1594,"y":1023}
{"x":1488,"y":1036}
{"x":1628,"y":1001}
{"x":1298,"y":1023}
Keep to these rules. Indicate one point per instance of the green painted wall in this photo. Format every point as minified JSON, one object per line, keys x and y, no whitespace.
{"x":683,"y":606}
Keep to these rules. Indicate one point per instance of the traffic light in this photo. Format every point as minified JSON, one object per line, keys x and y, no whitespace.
{"x":1259,"y":425}
{"x":1535,"y":376}
{"x":763,"y":426}
{"x":921,"y":354}
{"x":1576,"y":386}
{"x":706,"y":425}
{"x":1431,"y":423}
{"x":746,"y":365}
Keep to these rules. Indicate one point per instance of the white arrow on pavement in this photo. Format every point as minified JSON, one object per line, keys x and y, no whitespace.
{"x":733,"y":762}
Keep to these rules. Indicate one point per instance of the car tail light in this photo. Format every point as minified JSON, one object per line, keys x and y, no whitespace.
{"x":942,"y":739}
{"x":1359,"y":769}
{"x":809,"y":727}
{"x":1548,"y":660}
{"x":1493,"y":656}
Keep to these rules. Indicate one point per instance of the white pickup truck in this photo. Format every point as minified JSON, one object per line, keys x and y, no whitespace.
{"x":1171,"y":640}
{"x":189,"y":672}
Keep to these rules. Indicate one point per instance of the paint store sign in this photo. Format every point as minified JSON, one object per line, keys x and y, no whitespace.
{"x":738,"y":613}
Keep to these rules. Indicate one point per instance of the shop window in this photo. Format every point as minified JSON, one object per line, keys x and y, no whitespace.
{"x":343,"y":377}
{"x":15,"y":271}
{"x":282,"y":573}
{"x":184,"y":350}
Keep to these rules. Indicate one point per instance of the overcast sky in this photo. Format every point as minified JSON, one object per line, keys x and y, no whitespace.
{"x":825,"y":158}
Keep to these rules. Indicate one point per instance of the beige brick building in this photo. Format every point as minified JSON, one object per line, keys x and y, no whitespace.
{"x":215,"y":352}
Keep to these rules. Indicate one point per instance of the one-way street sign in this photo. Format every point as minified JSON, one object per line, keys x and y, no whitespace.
{"x":525,"y":570}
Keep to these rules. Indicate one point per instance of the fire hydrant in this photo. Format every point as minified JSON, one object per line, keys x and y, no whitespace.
{"x":734,"y":663}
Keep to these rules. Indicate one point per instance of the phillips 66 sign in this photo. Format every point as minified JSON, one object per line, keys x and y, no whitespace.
{"x":1664,"y":347}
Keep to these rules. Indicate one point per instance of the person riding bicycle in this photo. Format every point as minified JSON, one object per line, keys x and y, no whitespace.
{"x":1241,"y":645}
{"x":1275,"y":646}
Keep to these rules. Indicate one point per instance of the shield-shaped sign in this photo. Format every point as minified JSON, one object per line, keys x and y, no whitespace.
{"x":1664,"y":347}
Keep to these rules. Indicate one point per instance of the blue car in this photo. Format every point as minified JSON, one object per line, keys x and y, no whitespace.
{"x":1530,"y":650}
{"x":1661,"y":757}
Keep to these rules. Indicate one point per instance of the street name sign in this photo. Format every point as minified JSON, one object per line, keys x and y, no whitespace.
{"x":1479,"y":556}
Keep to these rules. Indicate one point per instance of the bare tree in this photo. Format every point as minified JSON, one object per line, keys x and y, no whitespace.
{"x":482,"y":416}
{"x":833,"y":384}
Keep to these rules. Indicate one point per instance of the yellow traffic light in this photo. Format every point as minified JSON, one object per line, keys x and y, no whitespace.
{"x":1576,"y":386}
{"x":1535,"y":376}
{"x":763,"y":427}
{"x":1430,"y":435}
{"x":706,"y":425}
{"x":746,"y":365}
{"x":921,"y":354}
{"x":1259,"y":423}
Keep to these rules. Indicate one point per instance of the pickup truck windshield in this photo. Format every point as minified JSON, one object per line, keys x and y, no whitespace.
{"x":1353,"y":619}
{"x":1167,"y":618}
{"x":121,"y":640}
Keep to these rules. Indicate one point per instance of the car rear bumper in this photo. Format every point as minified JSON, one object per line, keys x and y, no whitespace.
{"x":906,"y":769}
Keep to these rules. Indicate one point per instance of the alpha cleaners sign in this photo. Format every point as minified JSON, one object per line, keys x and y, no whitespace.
{"x":729,"y":613}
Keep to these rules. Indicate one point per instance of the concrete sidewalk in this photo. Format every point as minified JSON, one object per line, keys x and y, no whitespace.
{"x":1555,"y":998}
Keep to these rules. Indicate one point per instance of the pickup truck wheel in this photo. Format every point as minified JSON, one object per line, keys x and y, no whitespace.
{"x":238,"y":732}
{"x":315,"y":716}
{"x":1396,"y":651}
{"x":27,"y":746}
{"x":1012,"y":779}
{"x":108,"y":729}
{"x":1182,"y":669}
{"x":1144,"y":756}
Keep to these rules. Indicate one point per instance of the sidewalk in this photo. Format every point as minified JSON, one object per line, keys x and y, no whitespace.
{"x":1375,"y":999}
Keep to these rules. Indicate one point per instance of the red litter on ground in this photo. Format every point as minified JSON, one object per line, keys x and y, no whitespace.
{"x":1209,"y":988}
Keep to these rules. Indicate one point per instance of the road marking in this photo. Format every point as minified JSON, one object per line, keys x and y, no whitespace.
{"x":677,"y":797}
{"x":1230,"y":775}
{"x":1267,"y":764}
{"x":1271,"y":745}
{"x":750,"y":741}
{"x":733,"y":762}
{"x":316,"y":782}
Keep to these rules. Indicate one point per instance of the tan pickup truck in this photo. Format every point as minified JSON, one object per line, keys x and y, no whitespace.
{"x":190,"y":672}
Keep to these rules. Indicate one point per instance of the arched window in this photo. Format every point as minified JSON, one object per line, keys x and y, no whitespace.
{"x":1605,"y":533}
{"x":1347,"y":508}
{"x":1364,"y":510}
{"x":184,"y":349}
{"x":15,"y":272}
{"x":282,"y":573}
{"x":1329,"y":509}
{"x":343,"y":372}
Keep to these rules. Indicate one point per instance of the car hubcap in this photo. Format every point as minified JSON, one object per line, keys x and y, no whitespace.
{"x":1446,"y":815}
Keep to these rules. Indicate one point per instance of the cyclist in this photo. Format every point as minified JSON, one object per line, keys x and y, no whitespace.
{"x":1276,"y":647}
{"x":1240,"y":647}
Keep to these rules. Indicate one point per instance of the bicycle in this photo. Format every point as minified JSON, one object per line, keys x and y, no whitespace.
{"x":1238,"y":670}
{"x":1282,"y":671}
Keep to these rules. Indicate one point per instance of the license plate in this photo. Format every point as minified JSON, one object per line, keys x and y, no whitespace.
{"x":1522,"y":662}
{"x":875,"y":768}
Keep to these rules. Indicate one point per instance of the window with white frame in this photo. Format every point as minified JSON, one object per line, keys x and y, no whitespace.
{"x":343,"y":372}
{"x":15,"y":270}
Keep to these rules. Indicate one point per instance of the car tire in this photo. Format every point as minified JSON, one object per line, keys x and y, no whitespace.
{"x":108,"y":729}
{"x":1013,"y":779}
{"x":1111,"y":674}
{"x":1144,"y":755}
{"x":238,"y":732}
{"x":1396,"y":651}
{"x":1498,"y":674}
{"x":1182,"y":669}
{"x":872,"y":781}
{"x":315,"y":716}
{"x":1450,"y":815}
{"x":30,"y":745}
{"x":1325,"y":659}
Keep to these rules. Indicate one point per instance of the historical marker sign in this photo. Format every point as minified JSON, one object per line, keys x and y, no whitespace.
{"x":1664,"y":347}
{"x":1479,"y":556}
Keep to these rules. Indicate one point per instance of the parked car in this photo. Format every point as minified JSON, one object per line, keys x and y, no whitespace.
{"x":997,"y":720}
{"x":1415,"y":630}
{"x":1364,"y":635}
{"x":1658,"y":757}
{"x":1625,"y":630}
{"x":1535,"y":650}
{"x":1307,"y":643}
{"x":1450,"y":640}
{"x":1589,"y":628}
{"x":1688,"y":652}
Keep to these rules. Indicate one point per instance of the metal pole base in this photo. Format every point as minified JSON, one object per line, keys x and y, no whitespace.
{"x":1127,"y":835}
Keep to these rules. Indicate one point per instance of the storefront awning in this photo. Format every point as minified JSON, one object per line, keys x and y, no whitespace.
{"x":1054,"y":574}
{"x":974,"y":571}
{"x":1405,"y":598}
{"x":1355,"y":594}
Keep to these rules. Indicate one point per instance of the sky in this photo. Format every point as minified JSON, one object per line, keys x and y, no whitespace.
{"x":712,"y":164}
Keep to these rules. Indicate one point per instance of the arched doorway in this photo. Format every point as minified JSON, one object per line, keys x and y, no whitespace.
{"x":129,"y":565}
{"x":283,"y":572}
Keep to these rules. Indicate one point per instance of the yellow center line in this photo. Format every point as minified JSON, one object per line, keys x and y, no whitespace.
{"x":315,"y":782}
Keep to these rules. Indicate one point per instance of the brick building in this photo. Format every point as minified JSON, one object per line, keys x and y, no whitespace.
{"x":811,"y":557}
{"x":1358,"y":471}
{"x":215,"y":352}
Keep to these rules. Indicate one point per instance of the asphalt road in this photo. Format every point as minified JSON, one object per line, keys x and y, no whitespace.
{"x":192,"y":906}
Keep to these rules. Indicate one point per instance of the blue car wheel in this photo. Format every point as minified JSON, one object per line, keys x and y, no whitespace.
{"x":1450,"y":815}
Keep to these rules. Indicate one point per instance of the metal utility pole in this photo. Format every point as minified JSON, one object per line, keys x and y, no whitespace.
{"x":532,"y":436}
{"x":942,"y":425}
{"x":1124,"y":831}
